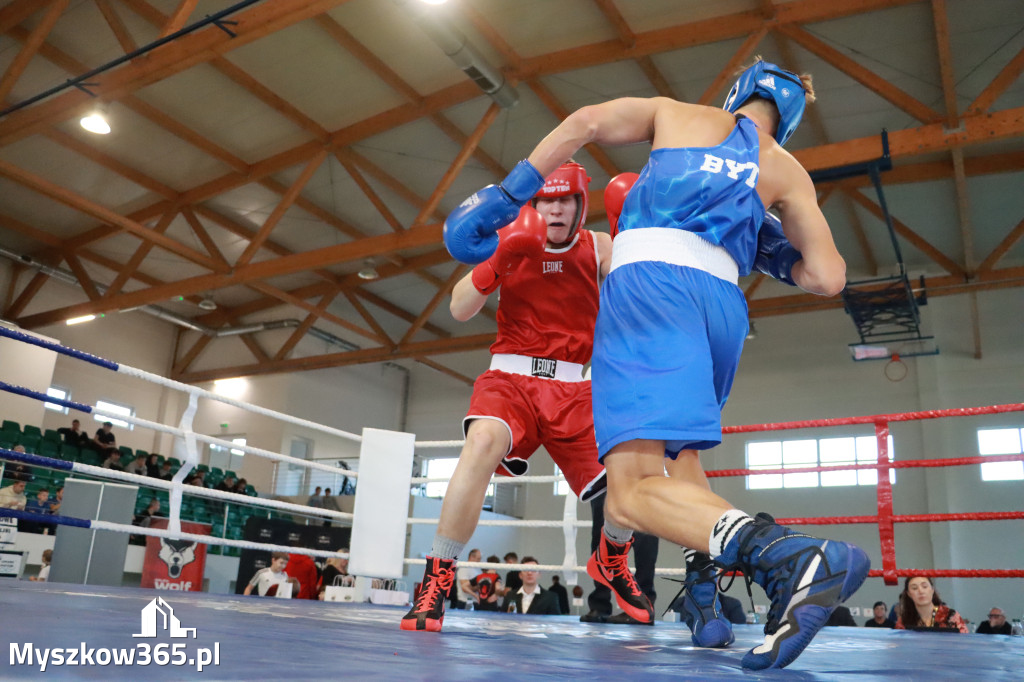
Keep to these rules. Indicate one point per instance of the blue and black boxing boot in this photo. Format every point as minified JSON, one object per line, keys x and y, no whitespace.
{"x":702,"y":608}
{"x":805,"y":577}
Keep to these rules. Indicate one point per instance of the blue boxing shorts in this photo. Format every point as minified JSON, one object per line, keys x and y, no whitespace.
{"x":666,"y":347}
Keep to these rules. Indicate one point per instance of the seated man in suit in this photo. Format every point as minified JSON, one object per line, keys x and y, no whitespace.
{"x":531,"y":598}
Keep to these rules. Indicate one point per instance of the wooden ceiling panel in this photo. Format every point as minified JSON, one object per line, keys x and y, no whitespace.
{"x":651,"y":15}
{"x":535,"y":27}
{"x":390,"y":33}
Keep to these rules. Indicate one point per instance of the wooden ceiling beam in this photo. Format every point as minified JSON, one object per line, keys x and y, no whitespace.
{"x":628,"y":40}
{"x":358,"y":357}
{"x":865,"y":77}
{"x":31,"y":47}
{"x":26,"y":295}
{"x":429,"y":309}
{"x":457,"y":164}
{"x":350,"y":167}
{"x":17,"y":12}
{"x":1005,"y":245}
{"x":551,"y":102}
{"x":941,"y":21}
{"x":178,"y":17}
{"x":200,"y":232}
{"x":282,"y":207}
{"x":370,"y":320}
{"x":190,"y":356}
{"x":426,"y":235}
{"x":140,"y":254}
{"x":116,"y":24}
{"x":728,"y":74}
{"x":444,"y":370}
{"x":84,"y":280}
{"x":941,"y":259}
{"x":255,"y":348}
{"x":305,"y":325}
{"x":400,"y":313}
{"x":179,"y":55}
{"x":310,"y":308}
{"x":994,"y":90}
{"x":91,"y":208}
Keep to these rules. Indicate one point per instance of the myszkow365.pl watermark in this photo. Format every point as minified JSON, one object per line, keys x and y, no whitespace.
{"x":157,"y":617}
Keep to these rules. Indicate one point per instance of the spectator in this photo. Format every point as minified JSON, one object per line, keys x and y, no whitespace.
{"x":44,"y":572}
{"x":165,"y":471}
{"x":464,"y":578}
{"x":488,"y":586}
{"x":558,"y":589}
{"x":58,"y":499}
{"x":330,"y":503}
{"x":145,"y":518}
{"x":996,"y":623}
{"x":512,"y":579}
{"x":334,"y":568}
{"x":74,"y":435}
{"x":266,"y":580}
{"x":531,"y":598}
{"x":112,"y":459}
{"x":13,"y":496}
{"x":40,"y":505}
{"x":316,"y":499}
{"x":104,"y":438}
{"x":138,"y":467}
{"x":226,"y":485}
{"x":880,"y":620}
{"x":198,"y":479}
{"x":921,"y":608}
{"x":153,"y":466}
{"x":841,"y":617}
{"x":241,"y":487}
{"x":19,"y":472}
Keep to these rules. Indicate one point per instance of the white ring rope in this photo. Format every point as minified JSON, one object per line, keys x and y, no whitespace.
{"x":196,"y":491}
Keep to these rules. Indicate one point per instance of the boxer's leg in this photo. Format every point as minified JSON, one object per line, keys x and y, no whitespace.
{"x":708,"y":625}
{"x":487,"y":441}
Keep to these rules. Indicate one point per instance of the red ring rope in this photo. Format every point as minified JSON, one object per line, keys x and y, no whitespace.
{"x":885,"y":518}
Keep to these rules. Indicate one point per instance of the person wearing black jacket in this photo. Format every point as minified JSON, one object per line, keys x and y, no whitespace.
{"x":531,"y":598}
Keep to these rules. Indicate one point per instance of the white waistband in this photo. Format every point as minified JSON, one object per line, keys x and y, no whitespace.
{"x":542,"y":368}
{"x":676,"y":247}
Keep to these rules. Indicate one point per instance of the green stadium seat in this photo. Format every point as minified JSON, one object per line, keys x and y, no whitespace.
{"x":232,"y":474}
{"x":31,"y":443}
{"x":126,"y":452}
{"x":141,"y":453}
{"x":33,"y":431}
{"x":47,"y":448}
{"x":175,"y":462}
{"x":250,"y":491}
{"x":52,"y":435}
{"x":203,"y":467}
{"x":11,"y":427}
{"x":70,"y":453}
{"x":7,"y":444}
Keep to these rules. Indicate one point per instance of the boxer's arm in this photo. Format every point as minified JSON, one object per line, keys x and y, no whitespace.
{"x":619,"y":121}
{"x":822,"y":270}
{"x":467,"y":301}
{"x":604,"y":252}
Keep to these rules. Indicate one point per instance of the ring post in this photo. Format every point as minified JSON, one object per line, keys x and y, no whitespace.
{"x":381,"y":511}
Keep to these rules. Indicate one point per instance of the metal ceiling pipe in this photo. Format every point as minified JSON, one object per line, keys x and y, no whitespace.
{"x":461,"y":51}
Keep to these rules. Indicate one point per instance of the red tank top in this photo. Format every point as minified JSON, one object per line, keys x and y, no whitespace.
{"x":547,"y":308}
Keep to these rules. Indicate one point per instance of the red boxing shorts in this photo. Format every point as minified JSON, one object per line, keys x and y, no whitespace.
{"x":555,"y":414}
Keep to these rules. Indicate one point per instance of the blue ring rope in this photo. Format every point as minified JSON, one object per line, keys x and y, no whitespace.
{"x":53,"y":519}
{"x":36,"y":460}
{"x":29,"y":393}
{"x":56,"y":347}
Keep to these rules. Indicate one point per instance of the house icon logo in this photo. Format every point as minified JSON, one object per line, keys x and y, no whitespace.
{"x":158,"y":616}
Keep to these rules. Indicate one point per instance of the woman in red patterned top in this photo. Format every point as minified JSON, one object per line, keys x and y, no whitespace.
{"x":922,"y":609}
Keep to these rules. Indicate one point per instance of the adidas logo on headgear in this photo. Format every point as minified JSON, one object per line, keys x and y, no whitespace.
{"x":768,"y":82}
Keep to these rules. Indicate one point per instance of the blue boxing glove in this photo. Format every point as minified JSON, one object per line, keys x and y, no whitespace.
{"x":775,"y":255}
{"x":470,"y":232}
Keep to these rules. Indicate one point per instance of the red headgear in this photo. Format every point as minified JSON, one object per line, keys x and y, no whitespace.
{"x":568,"y":179}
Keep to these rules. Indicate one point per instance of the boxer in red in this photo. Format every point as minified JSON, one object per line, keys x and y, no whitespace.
{"x":548,"y":270}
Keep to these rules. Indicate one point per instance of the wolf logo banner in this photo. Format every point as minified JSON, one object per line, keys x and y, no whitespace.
{"x":175,"y":564}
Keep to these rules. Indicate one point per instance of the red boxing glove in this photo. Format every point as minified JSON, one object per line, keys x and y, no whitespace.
{"x":524,"y":237}
{"x":615,"y":196}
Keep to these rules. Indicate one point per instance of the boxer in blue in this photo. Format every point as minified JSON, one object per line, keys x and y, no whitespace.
{"x":671,"y":327}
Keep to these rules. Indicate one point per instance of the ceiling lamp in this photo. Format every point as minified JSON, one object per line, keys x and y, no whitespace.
{"x":369,"y":271}
{"x":207,"y":304}
{"x":96,"y":120}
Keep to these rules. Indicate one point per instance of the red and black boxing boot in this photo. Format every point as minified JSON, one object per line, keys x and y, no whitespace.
{"x":609,"y":565}
{"x":427,"y":613}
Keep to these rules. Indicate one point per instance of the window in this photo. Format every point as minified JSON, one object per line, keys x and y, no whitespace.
{"x":444,"y":467}
{"x":288,"y":477}
{"x":1001,"y":442}
{"x":561,"y":487}
{"x":60,"y":394}
{"x":339,"y":483}
{"x":225,"y":458}
{"x":802,"y":454}
{"x":115,"y":408}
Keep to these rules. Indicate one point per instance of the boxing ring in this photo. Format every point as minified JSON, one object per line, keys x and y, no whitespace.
{"x":301,"y":639}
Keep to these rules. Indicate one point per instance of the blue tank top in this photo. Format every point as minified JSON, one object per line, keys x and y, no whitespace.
{"x":710,"y":191}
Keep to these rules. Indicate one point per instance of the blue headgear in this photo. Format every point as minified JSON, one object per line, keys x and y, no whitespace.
{"x":782,"y":87}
